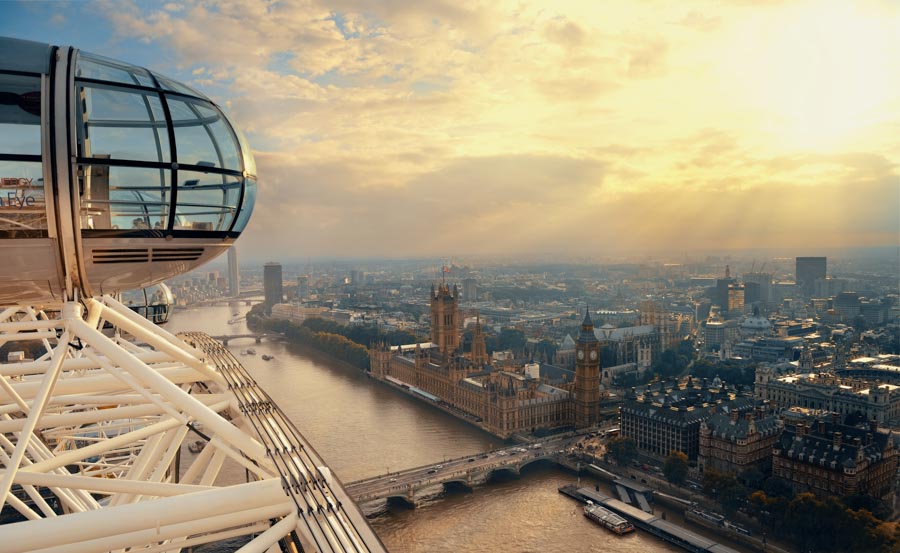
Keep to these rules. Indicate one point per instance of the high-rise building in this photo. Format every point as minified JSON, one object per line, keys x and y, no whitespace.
{"x":808,"y":270}
{"x":303,"y":287}
{"x":764,"y":282}
{"x":735,"y":298}
{"x":470,"y":289}
{"x":357,"y":278}
{"x":234,"y":273}
{"x":720,"y":293}
{"x":272,"y":284}
{"x":587,"y":375}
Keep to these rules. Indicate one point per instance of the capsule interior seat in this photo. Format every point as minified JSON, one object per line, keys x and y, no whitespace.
{"x":112,"y":177}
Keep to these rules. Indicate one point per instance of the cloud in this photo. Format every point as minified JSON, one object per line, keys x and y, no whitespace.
{"x":503,"y":127}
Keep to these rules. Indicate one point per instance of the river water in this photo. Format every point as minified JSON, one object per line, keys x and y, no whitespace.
{"x":362,"y":428}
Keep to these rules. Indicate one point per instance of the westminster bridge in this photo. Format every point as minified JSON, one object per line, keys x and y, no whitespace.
{"x":412,"y":485}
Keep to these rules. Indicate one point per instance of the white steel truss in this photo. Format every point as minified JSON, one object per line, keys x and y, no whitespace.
{"x":93,"y":433}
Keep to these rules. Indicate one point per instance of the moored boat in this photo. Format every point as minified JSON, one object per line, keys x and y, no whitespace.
{"x":607,"y":519}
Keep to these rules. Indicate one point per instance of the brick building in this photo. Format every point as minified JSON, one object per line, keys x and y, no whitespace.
{"x":831,"y":459}
{"x":731,"y":443}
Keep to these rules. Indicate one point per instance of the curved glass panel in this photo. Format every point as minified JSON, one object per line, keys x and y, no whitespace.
{"x":23,"y":210}
{"x":122,"y":124}
{"x":20,"y":115}
{"x":92,"y":66}
{"x":202,"y":136}
{"x":206,"y":201}
{"x":174,"y":86}
{"x":247,"y":205}
{"x":124,"y":197}
{"x":249,"y":160}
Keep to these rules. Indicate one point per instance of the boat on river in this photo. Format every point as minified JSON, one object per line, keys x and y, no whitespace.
{"x":608,"y":519}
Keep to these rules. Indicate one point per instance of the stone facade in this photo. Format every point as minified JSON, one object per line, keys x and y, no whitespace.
{"x":666,"y":417}
{"x":868,"y":399}
{"x":831,"y":459}
{"x":503,"y":401}
{"x":733,"y":443}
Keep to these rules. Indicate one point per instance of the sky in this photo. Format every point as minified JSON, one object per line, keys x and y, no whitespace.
{"x":440,"y":128}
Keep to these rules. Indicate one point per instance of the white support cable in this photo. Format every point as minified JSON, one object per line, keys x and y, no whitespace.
{"x":32,"y":493}
{"x":9,"y":312}
{"x":30,"y":311}
{"x":163,"y":386}
{"x":99,"y":383}
{"x":149,"y":515}
{"x":258,"y":469}
{"x":107,"y":485}
{"x":39,"y":367}
{"x":262,"y":542}
{"x":135,"y":385}
{"x":31,"y":421}
{"x":212,"y":470}
{"x":76,"y":500}
{"x":198,"y":465}
{"x":99,"y":448}
{"x":114,"y":424}
{"x":249,"y":519}
{"x":142,"y":464}
{"x":206,"y":538}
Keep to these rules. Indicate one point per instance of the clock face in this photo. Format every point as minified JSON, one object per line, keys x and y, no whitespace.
{"x":581,"y":355}
{"x":593,"y":356}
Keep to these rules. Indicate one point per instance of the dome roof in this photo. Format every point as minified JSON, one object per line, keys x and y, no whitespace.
{"x":756,"y":322}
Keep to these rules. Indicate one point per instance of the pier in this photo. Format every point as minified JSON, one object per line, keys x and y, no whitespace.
{"x":648,"y":522}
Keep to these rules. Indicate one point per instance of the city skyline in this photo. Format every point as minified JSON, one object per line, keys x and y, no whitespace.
{"x":403,"y":130}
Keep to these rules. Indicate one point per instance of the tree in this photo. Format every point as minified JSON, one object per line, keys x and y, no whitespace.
{"x":752,"y":477}
{"x":676,"y":467}
{"x":511,"y":339}
{"x":622,"y":450}
{"x":732,"y":497}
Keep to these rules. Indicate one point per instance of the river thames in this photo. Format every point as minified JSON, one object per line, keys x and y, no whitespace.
{"x":363,"y":428}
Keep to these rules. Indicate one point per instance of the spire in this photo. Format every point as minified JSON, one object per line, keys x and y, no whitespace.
{"x":587,"y":329}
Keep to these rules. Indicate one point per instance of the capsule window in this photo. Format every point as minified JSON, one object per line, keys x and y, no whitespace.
{"x":202,"y":136}
{"x":246,"y":205}
{"x":20,"y":115}
{"x":22,"y":204}
{"x":92,"y":66}
{"x":124,"y":197}
{"x":121,"y":124}
{"x":206,"y":201}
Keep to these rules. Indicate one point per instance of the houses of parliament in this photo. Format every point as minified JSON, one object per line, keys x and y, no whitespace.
{"x":503,"y":400}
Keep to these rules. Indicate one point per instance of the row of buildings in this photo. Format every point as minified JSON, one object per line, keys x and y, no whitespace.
{"x":504,"y":399}
{"x":813,"y":448}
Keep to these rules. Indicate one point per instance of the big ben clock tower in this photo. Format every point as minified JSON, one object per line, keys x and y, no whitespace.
{"x":587,"y":375}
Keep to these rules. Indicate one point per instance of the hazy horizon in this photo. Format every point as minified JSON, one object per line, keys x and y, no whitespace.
{"x":435,"y":128}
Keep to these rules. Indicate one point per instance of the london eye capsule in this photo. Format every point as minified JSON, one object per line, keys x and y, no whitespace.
{"x":112,"y":177}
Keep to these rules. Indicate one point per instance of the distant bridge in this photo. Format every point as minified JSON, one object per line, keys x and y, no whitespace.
{"x":412,"y":485}
{"x":257,"y":338}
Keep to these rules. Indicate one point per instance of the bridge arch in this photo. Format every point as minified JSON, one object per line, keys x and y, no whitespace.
{"x":507,"y":470}
{"x":400,"y":500}
{"x":535,"y":460}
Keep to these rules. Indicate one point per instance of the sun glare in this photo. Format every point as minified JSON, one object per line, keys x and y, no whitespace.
{"x":818,"y":75}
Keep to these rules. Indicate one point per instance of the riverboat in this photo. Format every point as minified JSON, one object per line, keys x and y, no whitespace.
{"x":608,"y":519}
